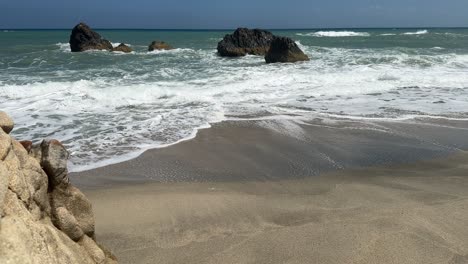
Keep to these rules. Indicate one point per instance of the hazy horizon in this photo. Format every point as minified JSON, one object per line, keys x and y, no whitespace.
{"x":233,"y":28}
{"x":210,"y":14}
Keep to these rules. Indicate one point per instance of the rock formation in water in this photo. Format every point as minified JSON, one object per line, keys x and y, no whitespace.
{"x":122,"y":48}
{"x":43,"y":218}
{"x":84,"y":38}
{"x":283,"y":49}
{"x":245,"y":41}
{"x":159,"y":45}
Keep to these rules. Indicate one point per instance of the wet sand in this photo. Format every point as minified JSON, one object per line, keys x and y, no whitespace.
{"x":283,"y":192}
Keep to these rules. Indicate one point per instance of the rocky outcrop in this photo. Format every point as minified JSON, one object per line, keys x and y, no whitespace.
{"x":43,"y":218}
{"x":6,"y":123}
{"x":283,"y":49}
{"x":159,"y":45}
{"x":245,"y":41}
{"x":122,"y":48}
{"x":84,"y":38}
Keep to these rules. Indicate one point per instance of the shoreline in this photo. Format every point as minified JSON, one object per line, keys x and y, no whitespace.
{"x":331,"y":144}
{"x":281,"y":192}
{"x":428,"y":120}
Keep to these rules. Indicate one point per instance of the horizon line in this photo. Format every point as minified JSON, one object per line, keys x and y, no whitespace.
{"x":226,"y":29}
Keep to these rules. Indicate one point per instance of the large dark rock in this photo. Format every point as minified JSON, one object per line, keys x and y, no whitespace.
{"x":284,"y":49}
{"x":159,"y":45}
{"x":84,"y":38}
{"x":245,"y":41}
{"x":122,"y":48}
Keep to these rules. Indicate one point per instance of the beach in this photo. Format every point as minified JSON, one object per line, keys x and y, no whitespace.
{"x":194,"y":146}
{"x":284,"y":191}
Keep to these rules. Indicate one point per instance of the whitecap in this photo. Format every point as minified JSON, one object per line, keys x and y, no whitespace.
{"x":116,"y":44}
{"x":64,"y":47}
{"x":335,"y":34}
{"x":387,"y":77}
{"x":420,"y":32}
{"x":178,"y":50}
{"x":388,"y":34}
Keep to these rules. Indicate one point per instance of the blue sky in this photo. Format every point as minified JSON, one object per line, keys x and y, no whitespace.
{"x":216,"y":14}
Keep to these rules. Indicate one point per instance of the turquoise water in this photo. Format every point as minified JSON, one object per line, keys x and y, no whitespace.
{"x":109,"y":106}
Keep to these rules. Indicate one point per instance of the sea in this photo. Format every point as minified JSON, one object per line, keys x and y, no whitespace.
{"x":110,"y":107}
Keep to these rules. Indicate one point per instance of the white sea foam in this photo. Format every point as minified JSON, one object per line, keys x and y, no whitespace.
{"x":388,"y":34}
{"x":178,"y":50}
{"x":420,"y":32}
{"x":335,"y":34}
{"x":116,"y":44}
{"x":64,"y":47}
{"x":113,"y":113}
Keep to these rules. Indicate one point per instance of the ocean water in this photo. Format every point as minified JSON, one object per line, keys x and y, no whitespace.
{"x":107,"y":107}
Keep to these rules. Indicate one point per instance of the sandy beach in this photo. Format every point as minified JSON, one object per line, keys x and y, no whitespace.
{"x":289,"y":192}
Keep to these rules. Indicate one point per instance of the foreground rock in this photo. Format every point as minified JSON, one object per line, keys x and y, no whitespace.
{"x":122,"y":48}
{"x":43,"y":218}
{"x":159,"y":45}
{"x":6,"y":123}
{"x":84,"y":38}
{"x":245,"y":41}
{"x":284,"y":49}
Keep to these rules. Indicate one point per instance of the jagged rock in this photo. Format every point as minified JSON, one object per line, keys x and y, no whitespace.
{"x":122,"y":48}
{"x":159,"y":45}
{"x":93,"y":249}
{"x":27,"y":144}
{"x":84,"y":38}
{"x":68,"y":223}
{"x":284,"y":49}
{"x":3,"y":186}
{"x":54,"y":158}
{"x":6,"y":123}
{"x":5,"y":144}
{"x":32,"y":232}
{"x":77,"y":204}
{"x":245,"y":41}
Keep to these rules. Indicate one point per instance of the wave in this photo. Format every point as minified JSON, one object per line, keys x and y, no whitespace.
{"x":171,"y":51}
{"x":116,"y":44}
{"x":110,"y":112}
{"x":64,"y":47}
{"x":420,"y":32}
{"x":388,"y":34}
{"x":335,"y":34}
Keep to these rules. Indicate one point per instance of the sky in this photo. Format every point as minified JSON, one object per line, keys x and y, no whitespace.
{"x":218,"y":14}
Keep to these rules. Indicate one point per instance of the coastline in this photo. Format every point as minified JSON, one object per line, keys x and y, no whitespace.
{"x":276,"y":192}
{"x":293,"y":148}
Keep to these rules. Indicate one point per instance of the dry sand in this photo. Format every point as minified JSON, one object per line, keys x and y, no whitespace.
{"x":288,"y":207}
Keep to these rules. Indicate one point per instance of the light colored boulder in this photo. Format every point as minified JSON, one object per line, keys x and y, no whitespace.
{"x":77,"y":204}
{"x":5,"y":144}
{"x":3,"y":186}
{"x":6,"y":123}
{"x":68,"y":224}
{"x":23,"y":240}
{"x":29,"y":201}
{"x":93,"y":249}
